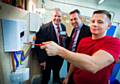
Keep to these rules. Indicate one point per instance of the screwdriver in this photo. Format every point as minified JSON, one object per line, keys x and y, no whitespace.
{"x":34,"y":44}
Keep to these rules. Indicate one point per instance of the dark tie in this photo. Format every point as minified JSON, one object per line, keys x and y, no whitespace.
{"x":73,"y":38}
{"x":59,"y":37}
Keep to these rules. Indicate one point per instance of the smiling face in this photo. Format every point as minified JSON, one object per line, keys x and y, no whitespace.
{"x":75,"y":19}
{"x":99,"y":23}
{"x":56,"y":17}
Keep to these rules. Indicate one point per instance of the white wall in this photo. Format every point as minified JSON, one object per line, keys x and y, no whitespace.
{"x":8,"y":12}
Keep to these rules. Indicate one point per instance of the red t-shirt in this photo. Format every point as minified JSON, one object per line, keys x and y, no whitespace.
{"x":89,"y":46}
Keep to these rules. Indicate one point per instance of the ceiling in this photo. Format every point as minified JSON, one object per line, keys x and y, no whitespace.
{"x":108,"y":3}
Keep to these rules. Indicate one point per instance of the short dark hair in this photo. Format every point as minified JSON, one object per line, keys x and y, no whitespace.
{"x":103,"y":12}
{"x":75,"y":11}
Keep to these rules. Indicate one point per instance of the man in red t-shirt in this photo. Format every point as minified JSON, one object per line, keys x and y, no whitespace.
{"x":95,"y":57}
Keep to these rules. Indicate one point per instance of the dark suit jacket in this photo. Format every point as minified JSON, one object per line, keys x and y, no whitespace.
{"x":46,"y":33}
{"x":84,"y":32}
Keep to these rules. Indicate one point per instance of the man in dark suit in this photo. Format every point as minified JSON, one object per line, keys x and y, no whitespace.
{"x":80,"y":31}
{"x":52,"y":31}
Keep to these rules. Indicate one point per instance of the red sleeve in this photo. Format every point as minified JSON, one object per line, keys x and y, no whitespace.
{"x":113,"y":47}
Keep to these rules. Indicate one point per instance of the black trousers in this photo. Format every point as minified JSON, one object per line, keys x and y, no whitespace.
{"x":70,"y":81}
{"x":55,"y":64}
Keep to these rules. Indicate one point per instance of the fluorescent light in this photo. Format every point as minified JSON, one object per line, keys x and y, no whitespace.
{"x":101,"y":1}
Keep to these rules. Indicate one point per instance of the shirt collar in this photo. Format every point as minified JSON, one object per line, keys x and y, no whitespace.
{"x":80,"y":26}
{"x":55,"y":25}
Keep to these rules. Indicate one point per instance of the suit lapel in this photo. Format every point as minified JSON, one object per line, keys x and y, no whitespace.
{"x":53,"y":33}
{"x":80,"y":35}
{"x":72,"y":35}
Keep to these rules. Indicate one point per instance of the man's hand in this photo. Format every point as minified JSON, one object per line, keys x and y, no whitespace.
{"x":65,"y":81}
{"x":51,"y":48}
{"x":43,"y":65}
